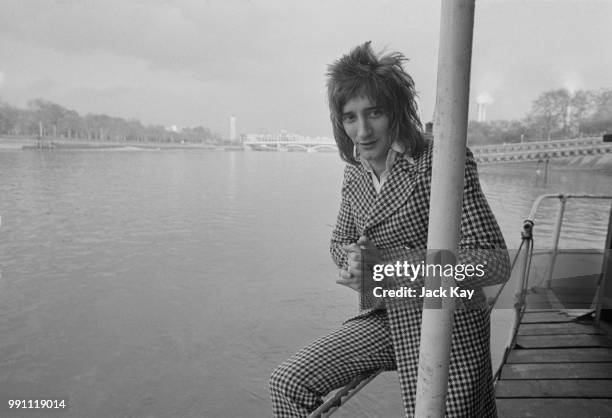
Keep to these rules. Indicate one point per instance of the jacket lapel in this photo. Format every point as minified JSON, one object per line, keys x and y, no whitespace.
{"x":363,"y":198}
{"x":396,"y":190}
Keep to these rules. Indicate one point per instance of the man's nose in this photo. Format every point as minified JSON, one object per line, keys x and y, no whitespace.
{"x":363,"y":128}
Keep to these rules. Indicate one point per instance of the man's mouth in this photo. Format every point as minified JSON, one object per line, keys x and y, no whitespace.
{"x":367,"y":144}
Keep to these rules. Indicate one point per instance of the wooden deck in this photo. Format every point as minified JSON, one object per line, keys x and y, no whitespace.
{"x":561,"y":366}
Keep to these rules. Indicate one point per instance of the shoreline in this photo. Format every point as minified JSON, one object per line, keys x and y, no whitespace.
{"x":14,"y":143}
{"x":599,"y":163}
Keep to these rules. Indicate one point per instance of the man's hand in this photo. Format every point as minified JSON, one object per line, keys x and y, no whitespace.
{"x":361,"y":256}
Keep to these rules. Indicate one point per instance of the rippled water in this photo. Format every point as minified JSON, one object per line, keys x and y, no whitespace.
{"x":170,"y":283}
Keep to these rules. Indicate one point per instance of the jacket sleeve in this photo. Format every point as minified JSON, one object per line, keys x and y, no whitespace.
{"x":481,"y":242}
{"x":345,"y":230}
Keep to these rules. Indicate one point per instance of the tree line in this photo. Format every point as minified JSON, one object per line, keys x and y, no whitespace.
{"x":42,"y":117}
{"x":554,"y":114}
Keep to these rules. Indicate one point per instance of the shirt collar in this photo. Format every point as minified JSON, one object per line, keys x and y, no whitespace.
{"x":397,"y":149}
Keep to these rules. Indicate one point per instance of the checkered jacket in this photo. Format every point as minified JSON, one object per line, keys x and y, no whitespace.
{"x":396,"y":221}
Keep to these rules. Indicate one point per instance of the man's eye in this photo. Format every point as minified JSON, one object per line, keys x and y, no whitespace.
{"x":348,"y":118}
{"x":376,"y":113}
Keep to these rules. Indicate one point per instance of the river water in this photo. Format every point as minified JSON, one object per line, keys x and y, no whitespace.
{"x":170,"y":283}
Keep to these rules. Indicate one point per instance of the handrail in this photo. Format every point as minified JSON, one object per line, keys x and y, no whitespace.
{"x":563,"y":198}
{"x":539,"y":199}
{"x":606,"y":273}
{"x":519,"y":306}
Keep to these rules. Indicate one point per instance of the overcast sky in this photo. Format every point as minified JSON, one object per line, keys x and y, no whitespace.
{"x":196,"y":62}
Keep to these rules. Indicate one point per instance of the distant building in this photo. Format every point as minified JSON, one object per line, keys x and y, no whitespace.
{"x":482,"y":112}
{"x":233,"y":136}
{"x":482,"y":100}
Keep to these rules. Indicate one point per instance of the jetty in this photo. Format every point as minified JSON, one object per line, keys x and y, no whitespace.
{"x":558,"y":362}
{"x":560,"y":366}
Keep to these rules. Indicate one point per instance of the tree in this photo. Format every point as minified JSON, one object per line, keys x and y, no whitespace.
{"x":549,"y":114}
{"x":601,"y":119}
{"x":48,"y":113}
{"x":495,"y":132}
{"x":9,"y":118}
{"x":583,"y":105}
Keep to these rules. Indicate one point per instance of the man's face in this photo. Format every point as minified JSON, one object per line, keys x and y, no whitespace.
{"x":367,"y":125}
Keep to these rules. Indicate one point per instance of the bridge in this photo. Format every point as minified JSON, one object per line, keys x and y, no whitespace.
{"x":308,"y":145}
{"x":513,"y":152}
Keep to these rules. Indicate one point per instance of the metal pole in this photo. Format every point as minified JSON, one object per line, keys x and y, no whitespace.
{"x":452,"y":99}
{"x":524,"y":282}
{"x":556,"y":236}
{"x":604,"y":295}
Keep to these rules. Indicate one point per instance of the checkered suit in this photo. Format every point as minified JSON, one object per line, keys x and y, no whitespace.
{"x":398,"y":218}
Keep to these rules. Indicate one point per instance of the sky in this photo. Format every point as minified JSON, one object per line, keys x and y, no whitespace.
{"x":197,"y":62}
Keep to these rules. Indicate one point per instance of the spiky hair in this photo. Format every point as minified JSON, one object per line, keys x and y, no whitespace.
{"x":382,"y":79}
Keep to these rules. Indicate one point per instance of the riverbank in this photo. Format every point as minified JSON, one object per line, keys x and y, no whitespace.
{"x":600,"y":163}
{"x":14,"y":143}
{"x":589,"y":162}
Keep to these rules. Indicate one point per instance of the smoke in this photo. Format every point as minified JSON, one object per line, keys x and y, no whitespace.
{"x":484,"y":98}
{"x":1,"y":79}
{"x":572,"y":82}
{"x":488,"y":80}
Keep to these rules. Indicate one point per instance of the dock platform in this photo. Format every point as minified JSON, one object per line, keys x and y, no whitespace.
{"x":560,"y":366}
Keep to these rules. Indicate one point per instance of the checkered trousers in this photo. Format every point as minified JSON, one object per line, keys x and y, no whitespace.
{"x":330,"y":362}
